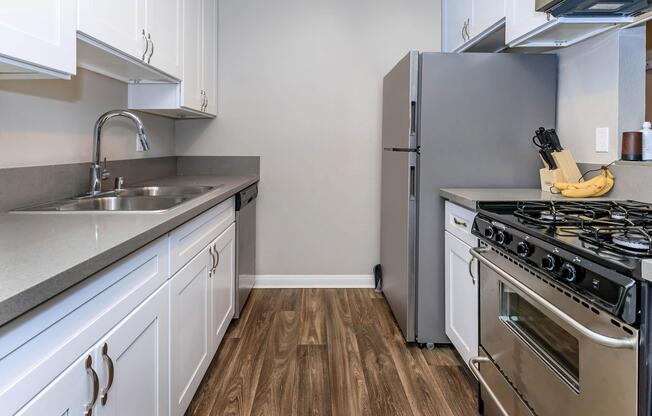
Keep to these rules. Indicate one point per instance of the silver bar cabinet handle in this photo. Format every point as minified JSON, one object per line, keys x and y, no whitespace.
{"x":479,"y":360}
{"x":96,"y":386}
{"x":149,"y":38}
{"x":109,"y":383}
{"x":620,"y":343}
{"x":460,"y":223}
{"x":146,"y":44}
{"x":473,"y":278}
{"x":217,"y":258}
{"x":210,"y":271}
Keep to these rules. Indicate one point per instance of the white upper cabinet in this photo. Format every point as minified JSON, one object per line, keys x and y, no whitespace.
{"x":37,"y":39}
{"x":486,"y":13}
{"x":164,"y":35}
{"x":120,"y":24}
{"x":131,"y":40}
{"x":457,"y":16}
{"x":192,"y":87}
{"x":522,"y":18}
{"x":209,"y":55}
{"x":473,"y":25}
{"x":196,"y":97}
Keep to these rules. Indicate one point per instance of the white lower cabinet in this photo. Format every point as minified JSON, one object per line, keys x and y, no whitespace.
{"x":189,"y":330}
{"x":201,"y":307}
{"x":69,"y":394}
{"x":222,"y":286}
{"x":129,"y":340}
{"x":461,"y":297}
{"x":124,"y":374}
{"x":133,"y":361}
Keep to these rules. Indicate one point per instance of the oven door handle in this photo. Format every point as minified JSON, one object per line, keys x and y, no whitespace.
{"x":476,"y":372}
{"x":620,"y":343}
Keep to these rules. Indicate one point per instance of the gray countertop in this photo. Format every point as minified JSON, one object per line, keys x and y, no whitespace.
{"x":470,"y":197}
{"x":43,"y":254}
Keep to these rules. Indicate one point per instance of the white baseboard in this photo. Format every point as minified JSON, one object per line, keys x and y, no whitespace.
{"x":314,"y":281}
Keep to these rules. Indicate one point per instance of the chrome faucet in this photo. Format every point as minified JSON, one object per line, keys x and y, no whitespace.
{"x":99,"y":173}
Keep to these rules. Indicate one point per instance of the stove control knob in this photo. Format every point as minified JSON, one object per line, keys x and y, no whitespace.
{"x":550,"y":263}
{"x":489,"y":233}
{"x":502,"y":238}
{"x":524,"y":249}
{"x":569,"y":273}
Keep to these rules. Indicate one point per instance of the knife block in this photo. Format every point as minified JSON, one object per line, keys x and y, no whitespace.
{"x":566,"y":163}
{"x":567,"y":170}
{"x":549,"y":177}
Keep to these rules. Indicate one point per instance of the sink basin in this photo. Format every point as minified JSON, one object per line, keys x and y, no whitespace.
{"x":135,"y":199}
{"x":159,"y":191}
{"x":120,"y":203}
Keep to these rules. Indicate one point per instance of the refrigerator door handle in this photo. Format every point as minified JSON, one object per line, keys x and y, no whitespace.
{"x":413,"y":184}
{"x":413,"y":117}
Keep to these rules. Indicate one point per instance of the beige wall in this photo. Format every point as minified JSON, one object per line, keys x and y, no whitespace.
{"x":47,"y":122}
{"x":300,"y":85}
{"x":601,"y":84}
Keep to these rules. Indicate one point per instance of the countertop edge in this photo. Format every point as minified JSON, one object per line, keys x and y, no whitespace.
{"x":33,"y":296}
{"x":458,"y":199}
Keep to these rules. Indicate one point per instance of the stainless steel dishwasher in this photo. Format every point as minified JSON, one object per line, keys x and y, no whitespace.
{"x":245,"y":219}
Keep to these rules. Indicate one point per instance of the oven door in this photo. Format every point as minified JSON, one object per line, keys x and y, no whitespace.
{"x":561,"y":355}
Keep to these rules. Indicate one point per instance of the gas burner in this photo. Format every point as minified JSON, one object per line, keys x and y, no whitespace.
{"x":552,"y":216}
{"x":632,"y":240}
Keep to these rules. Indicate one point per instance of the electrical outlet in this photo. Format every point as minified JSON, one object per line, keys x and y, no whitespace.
{"x":602,"y":140}
{"x":139,"y":145}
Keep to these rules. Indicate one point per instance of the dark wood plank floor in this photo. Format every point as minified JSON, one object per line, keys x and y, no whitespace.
{"x":334,"y":352}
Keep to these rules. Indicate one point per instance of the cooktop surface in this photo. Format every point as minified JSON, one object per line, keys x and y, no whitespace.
{"x":614,"y":233}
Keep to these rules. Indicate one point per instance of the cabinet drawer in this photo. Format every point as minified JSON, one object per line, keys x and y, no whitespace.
{"x":459,"y":222}
{"x":40,"y":345}
{"x":191,"y":238}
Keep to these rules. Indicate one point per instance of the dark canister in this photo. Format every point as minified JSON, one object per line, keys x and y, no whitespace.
{"x":632,"y":146}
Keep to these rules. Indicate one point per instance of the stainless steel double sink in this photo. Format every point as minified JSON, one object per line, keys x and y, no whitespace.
{"x":134,"y":199}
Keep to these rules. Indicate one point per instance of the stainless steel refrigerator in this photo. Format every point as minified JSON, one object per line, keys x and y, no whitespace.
{"x":451,"y":120}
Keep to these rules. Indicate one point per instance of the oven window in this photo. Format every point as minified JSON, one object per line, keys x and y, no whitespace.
{"x":554,"y":345}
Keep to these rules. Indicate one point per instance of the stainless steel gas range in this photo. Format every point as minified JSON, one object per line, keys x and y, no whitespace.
{"x":565,"y":308}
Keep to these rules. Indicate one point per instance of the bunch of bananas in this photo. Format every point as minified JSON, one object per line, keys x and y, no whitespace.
{"x":597,"y":186}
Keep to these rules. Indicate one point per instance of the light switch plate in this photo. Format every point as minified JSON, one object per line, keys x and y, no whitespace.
{"x":602,"y":140}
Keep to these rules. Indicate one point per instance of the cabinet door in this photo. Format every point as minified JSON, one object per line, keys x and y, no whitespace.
{"x":485,"y":14}
{"x":522,"y":18}
{"x":40,"y":32}
{"x":192,"y":85}
{"x":455,"y":14}
{"x":118,"y":23}
{"x":209,"y":64}
{"x":164,"y":26}
{"x":138,"y":352}
{"x":190,"y":340}
{"x":69,"y":394}
{"x":461,"y":297}
{"x":222,"y":290}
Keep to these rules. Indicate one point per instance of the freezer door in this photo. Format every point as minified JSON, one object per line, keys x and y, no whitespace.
{"x":400,"y":92}
{"x":398,"y":236}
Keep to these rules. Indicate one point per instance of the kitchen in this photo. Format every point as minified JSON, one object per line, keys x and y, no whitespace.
{"x":252,"y":162}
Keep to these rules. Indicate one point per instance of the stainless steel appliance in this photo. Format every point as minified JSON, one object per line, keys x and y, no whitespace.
{"x":245,"y":220}
{"x":450,"y":120}
{"x":564,"y":308}
{"x":595,"y":8}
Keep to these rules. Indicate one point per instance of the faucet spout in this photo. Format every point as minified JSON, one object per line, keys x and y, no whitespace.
{"x":98,"y":174}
